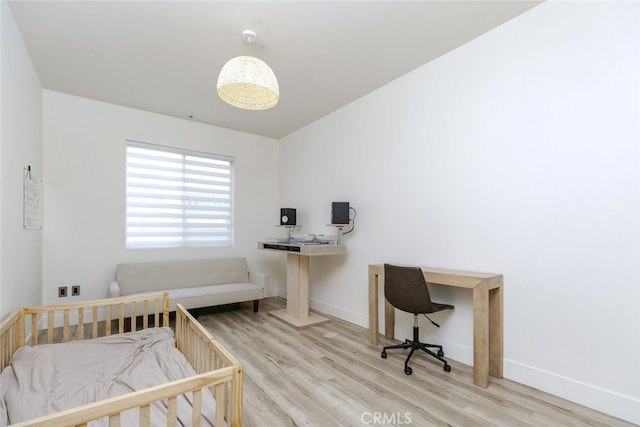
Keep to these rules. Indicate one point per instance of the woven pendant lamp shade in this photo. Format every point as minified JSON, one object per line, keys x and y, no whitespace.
{"x":248,"y":83}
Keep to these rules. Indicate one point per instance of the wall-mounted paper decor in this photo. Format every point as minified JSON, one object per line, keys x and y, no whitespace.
{"x":32,"y":205}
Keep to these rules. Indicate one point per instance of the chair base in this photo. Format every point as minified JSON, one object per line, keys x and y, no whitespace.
{"x":417,"y":345}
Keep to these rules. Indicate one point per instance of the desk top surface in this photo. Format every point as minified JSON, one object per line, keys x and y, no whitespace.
{"x":443,"y":276}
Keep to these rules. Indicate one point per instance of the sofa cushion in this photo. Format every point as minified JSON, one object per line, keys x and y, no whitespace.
{"x":205,"y":296}
{"x":212,"y":290}
{"x":173,"y":275}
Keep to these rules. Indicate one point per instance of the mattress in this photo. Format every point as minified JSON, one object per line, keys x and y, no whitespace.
{"x":44,"y":379}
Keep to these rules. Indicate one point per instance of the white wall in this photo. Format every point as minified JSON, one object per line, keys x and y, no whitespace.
{"x":516,"y":154}
{"x":20,"y":145}
{"x":84,"y":190}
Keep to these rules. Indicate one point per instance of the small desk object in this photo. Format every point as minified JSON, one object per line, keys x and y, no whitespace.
{"x":487,"y":315}
{"x":297,"y":313}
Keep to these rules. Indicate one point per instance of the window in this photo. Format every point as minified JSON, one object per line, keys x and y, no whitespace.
{"x":178,"y":198}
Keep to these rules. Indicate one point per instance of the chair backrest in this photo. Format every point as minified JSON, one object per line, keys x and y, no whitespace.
{"x":406,"y":289}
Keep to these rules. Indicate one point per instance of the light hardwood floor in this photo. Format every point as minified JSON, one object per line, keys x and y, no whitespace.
{"x":329,"y":375}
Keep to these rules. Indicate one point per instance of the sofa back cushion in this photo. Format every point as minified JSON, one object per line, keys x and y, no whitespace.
{"x":161,"y":276}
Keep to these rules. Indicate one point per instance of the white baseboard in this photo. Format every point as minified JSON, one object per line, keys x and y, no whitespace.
{"x":339,"y":312}
{"x":598,"y":398}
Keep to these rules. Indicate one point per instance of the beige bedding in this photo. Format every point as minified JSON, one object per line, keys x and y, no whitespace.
{"x":48,"y":378}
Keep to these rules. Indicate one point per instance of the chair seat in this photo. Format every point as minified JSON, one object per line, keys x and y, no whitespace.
{"x":439,"y":307}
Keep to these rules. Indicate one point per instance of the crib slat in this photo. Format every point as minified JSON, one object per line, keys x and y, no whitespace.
{"x":165,"y":310}
{"x":172,"y":412}
{"x":121,"y":318}
{"x":145,"y":416}
{"x":50,"y":327}
{"x":19,"y":334}
{"x":133,"y":317}
{"x":197,"y":408}
{"x":94,"y":322}
{"x":114,"y":420}
{"x":221,"y":403}
{"x":65,"y":326}
{"x":108,"y":321}
{"x":80,"y":327}
{"x":145,"y":314}
{"x":34,"y":329}
{"x":157,"y":313}
{"x":7,"y":348}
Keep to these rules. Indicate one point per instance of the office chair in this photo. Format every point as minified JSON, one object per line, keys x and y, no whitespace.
{"x":406,"y":289}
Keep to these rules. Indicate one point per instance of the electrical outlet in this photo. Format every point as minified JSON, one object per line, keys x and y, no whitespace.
{"x":75,"y":290}
{"x":62,"y":291}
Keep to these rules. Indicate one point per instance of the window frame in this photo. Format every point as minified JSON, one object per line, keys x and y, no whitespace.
{"x":177,"y":198}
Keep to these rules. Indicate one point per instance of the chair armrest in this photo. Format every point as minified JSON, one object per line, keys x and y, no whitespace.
{"x":114,"y":289}
{"x":261,"y":279}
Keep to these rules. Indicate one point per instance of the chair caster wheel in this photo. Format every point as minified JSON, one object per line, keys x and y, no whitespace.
{"x":408,"y":370}
{"x":440,"y":353}
{"x":383,"y":354}
{"x":447,"y":368}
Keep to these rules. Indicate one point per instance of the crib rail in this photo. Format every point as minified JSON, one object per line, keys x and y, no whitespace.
{"x":88,"y":319}
{"x":112,"y":408}
{"x":11,"y":336}
{"x":205,"y":354}
{"x":77,"y":321}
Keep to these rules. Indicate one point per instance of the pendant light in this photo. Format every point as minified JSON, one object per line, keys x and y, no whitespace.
{"x":247,"y":82}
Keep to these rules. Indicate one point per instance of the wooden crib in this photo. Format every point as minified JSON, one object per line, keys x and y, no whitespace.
{"x":216,"y":369}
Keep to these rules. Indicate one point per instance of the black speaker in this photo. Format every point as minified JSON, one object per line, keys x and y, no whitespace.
{"x":339,"y":212}
{"x":287,"y":216}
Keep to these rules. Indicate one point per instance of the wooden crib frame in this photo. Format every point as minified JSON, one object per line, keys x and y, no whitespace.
{"x":216,"y":368}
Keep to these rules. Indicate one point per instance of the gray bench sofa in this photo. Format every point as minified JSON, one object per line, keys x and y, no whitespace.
{"x":194,"y":284}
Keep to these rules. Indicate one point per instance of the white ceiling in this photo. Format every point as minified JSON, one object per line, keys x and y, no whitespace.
{"x":164,"y":56}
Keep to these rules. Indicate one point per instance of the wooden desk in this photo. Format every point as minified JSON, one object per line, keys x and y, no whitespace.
{"x":487,"y":315}
{"x":297,"y":313}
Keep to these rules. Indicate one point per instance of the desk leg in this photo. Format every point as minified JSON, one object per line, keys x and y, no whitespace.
{"x":373,"y":308}
{"x":389,"y":320}
{"x":389,"y":312}
{"x":297,"y":313}
{"x":297,"y":286}
{"x":481,"y":335}
{"x":496,"y":344}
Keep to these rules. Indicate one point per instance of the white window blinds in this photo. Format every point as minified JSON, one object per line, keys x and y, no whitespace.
{"x":178,"y":198}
